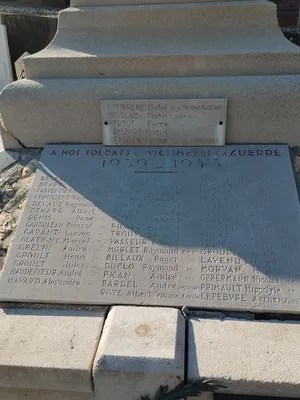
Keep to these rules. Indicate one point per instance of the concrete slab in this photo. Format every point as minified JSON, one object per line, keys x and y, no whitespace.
{"x":140,"y":349}
{"x":250,"y":357}
{"x":50,"y":350}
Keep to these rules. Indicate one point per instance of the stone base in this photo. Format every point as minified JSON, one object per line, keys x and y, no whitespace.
{"x":261,"y":109}
{"x":250,"y":357}
{"x":204,"y":49}
{"x":49,"y":353}
{"x":56,"y":354}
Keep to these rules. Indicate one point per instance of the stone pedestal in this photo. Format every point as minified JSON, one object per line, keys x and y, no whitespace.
{"x":205,"y":49}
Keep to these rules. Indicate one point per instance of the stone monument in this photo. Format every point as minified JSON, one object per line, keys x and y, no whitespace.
{"x":149,"y":49}
{"x":149,"y":229}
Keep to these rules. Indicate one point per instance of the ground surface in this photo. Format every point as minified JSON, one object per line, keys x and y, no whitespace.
{"x":15,"y":182}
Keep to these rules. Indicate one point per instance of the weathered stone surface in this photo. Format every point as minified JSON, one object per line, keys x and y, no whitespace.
{"x":140,"y":349}
{"x":250,"y":357}
{"x":5,"y":65}
{"x":27,"y":394}
{"x":192,"y":122}
{"x":202,"y":227}
{"x":50,"y":350}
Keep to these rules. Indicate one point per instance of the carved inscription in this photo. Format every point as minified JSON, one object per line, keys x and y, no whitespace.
{"x":199,"y":122}
{"x":202,"y":227}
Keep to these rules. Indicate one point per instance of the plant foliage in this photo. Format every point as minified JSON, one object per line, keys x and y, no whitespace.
{"x":192,"y":388}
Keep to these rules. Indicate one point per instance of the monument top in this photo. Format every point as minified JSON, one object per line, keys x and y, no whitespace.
{"x":210,"y":227}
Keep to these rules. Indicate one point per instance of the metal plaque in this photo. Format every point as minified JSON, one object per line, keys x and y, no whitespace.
{"x":189,"y":122}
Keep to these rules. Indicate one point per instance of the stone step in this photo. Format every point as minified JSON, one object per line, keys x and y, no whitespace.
{"x":261,"y":109}
{"x":62,"y":353}
{"x":188,"y":39}
{"x":258,"y":358}
{"x":47,"y":353}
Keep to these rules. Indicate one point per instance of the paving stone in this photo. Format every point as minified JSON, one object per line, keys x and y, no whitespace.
{"x":249,"y":357}
{"x":48,"y":349}
{"x":140,"y":349}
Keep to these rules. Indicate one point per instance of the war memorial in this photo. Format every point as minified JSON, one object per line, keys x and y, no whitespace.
{"x":159,"y":242}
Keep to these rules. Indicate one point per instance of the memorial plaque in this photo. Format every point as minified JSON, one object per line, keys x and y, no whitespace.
{"x":190,"y":122}
{"x":203,"y":227}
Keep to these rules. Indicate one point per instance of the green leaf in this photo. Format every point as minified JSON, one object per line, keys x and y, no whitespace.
{"x":160,"y":394}
{"x":192,"y":388}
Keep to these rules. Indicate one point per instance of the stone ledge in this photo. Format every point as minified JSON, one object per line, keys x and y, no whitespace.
{"x":50,"y":350}
{"x":250,"y":357}
{"x":140,"y":349}
{"x":261,"y":109}
{"x":26,"y":394}
{"x":247,"y":41}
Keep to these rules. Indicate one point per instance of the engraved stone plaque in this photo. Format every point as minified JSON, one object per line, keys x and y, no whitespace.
{"x":190,"y":122}
{"x":203,"y":227}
